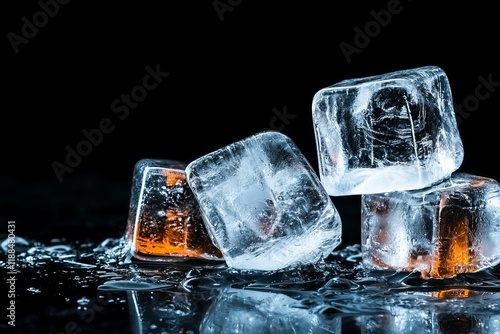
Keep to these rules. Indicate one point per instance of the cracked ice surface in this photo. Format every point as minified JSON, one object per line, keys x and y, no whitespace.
{"x":263,"y":204}
{"x":390,"y":132}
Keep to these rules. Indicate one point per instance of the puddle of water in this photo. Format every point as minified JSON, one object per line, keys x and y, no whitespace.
{"x":98,"y":287}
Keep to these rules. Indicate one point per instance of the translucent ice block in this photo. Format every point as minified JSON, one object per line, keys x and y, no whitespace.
{"x":449,"y":228}
{"x":390,"y":132}
{"x":263,"y":204}
{"x":164,"y":218}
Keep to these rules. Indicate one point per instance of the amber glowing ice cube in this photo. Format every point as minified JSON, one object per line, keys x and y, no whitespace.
{"x":449,"y":228}
{"x":164,"y":219}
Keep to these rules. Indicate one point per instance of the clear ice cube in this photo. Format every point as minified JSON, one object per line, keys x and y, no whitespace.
{"x":390,"y":132}
{"x":263,"y":204}
{"x":164,"y":218}
{"x":449,"y":228}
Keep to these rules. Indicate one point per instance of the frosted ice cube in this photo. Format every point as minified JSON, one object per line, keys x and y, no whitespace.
{"x":449,"y":228}
{"x":390,"y":132}
{"x":164,"y":219}
{"x":263,"y":204}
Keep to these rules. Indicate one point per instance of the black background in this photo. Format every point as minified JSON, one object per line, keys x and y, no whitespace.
{"x":227,"y":75}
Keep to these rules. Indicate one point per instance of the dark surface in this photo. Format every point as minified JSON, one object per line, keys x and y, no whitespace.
{"x":225,"y":79}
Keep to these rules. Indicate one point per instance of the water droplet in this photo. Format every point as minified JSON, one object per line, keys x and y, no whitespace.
{"x":34,"y":290}
{"x":83,"y":301}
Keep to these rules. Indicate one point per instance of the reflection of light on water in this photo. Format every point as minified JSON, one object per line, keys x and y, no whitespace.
{"x":452,"y":293}
{"x":175,"y":296}
{"x":411,"y":320}
{"x":456,"y":311}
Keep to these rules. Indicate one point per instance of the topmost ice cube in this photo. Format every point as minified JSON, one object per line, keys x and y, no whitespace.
{"x":391,"y":132}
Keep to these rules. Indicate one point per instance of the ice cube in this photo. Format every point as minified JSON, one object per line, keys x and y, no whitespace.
{"x":250,"y":312}
{"x":263,"y":204}
{"x":164,"y":218}
{"x":449,"y":228}
{"x":390,"y":132}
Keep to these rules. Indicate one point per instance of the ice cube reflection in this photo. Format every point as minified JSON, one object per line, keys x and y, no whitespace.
{"x":435,"y":319}
{"x":163,"y":311}
{"x":250,"y":311}
{"x":168,"y":297}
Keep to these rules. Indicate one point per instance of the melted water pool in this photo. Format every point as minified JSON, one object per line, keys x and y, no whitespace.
{"x":71,"y":287}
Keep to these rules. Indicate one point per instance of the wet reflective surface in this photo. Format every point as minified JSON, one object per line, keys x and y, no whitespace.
{"x":86,"y":282}
{"x":92,"y":288}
